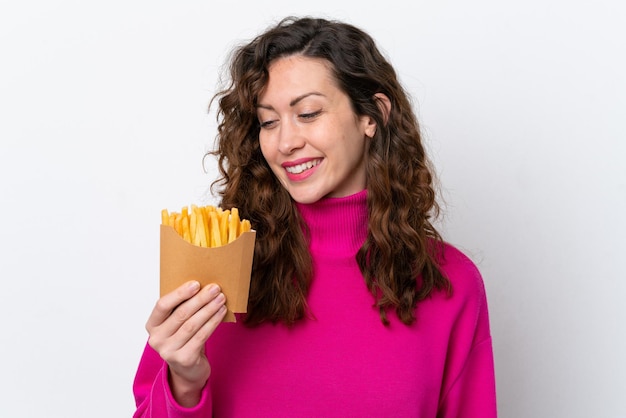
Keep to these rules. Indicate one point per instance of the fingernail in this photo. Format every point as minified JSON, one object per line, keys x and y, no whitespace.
{"x":194,"y":285}
{"x":214,"y":290}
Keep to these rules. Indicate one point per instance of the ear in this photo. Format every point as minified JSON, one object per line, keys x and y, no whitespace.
{"x":370,"y":126}
{"x":384,"y":104}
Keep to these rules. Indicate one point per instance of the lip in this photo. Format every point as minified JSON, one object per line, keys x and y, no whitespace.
{"x":306,"y":173}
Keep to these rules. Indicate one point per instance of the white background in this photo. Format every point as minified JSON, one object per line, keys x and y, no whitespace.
{"x":103,"y":122}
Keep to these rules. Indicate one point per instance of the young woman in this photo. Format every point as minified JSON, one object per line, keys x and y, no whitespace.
{"x":357,"y":306}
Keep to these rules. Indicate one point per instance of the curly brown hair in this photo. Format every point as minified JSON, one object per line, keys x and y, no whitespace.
{"x":400,"y":257}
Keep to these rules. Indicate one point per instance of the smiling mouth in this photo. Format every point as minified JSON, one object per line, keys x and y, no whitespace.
{"x":297,"y":169}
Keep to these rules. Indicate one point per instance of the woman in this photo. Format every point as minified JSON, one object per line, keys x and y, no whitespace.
{"x":357,"y":307}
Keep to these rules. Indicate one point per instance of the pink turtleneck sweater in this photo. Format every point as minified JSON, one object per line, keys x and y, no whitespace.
{"x":344,"y":362}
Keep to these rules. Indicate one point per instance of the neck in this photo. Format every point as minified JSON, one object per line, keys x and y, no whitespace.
{"x":337,"y":226}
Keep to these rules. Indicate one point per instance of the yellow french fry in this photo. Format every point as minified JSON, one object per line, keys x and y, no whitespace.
{"x":223,"y":220}
{"x":233,"y":227}
{"x":178,"y":224}
{"x":200,"y":228}
{"x":186,"y":232}
{"x":206,"y":219}
{"x":216,"y":238}
{"x":165,"y":217}
{"x":245,"y":226}
{"x":193,"y":228}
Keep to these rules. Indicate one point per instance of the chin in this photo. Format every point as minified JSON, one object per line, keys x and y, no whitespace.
{"x":305,"y":198}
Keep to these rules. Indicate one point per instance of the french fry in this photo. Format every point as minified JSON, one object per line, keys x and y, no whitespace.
{"x":178,"y":224}
{"x":186,"y":232}
{"x":200,"y":237}
{"x":233,"y":225}
{"x":193,"y":225}
{"x":223,"y":221}
{"x":216,"y":238}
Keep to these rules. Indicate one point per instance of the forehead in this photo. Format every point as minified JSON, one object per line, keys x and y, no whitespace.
{"x":299,"y":61}
{"x":296,"y":75}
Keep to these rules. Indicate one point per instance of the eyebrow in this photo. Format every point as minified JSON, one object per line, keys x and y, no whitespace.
{"x":294,"y":101}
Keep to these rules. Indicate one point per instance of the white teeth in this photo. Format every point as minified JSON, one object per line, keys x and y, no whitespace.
{"x":297,"y":169}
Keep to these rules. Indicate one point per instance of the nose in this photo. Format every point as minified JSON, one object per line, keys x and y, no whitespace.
{"x":290,"y":138}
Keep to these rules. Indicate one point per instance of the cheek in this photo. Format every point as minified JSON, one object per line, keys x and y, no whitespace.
{"x":263,"y":144}
{"x":269,"y":155}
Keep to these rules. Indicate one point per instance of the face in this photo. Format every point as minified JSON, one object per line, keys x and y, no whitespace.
{"x":310,"y":136}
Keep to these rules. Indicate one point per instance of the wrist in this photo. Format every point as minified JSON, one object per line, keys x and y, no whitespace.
{"x":186,"y":393}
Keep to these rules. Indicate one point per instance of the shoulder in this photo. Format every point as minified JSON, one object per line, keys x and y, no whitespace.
{"x":452,"y":258}
{"x":467,"y":304}
{"x":463,"y":273}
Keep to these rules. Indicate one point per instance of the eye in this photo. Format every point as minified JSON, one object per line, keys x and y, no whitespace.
{"x":267,"y":124}
{"x":309,"y":116}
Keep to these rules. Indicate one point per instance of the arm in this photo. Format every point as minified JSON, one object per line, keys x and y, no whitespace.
{"x":473,"y":393}
{"x":172,"y":377}
{"x":153,"y":395}
{"x":469,"y":388}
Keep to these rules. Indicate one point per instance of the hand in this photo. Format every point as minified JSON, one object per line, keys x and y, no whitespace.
{"x":179,"y":326}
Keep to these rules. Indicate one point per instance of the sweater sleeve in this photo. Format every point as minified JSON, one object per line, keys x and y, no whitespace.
{"x":469,"y":388}
{"x":153,"y":396}
{"x":473,"y":393}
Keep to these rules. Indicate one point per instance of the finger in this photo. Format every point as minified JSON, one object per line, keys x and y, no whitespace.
{"x":186,"y":310}
{"x":193,"y":334}
{"x":197,"y":342}
{"x":171,"y":343}
{"x":166,"y":304}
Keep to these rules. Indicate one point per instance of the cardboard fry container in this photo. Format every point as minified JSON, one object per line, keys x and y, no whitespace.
{"x":229,"y":266}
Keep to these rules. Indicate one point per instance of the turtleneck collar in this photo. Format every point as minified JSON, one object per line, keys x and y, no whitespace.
{"x":337,"y":226}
